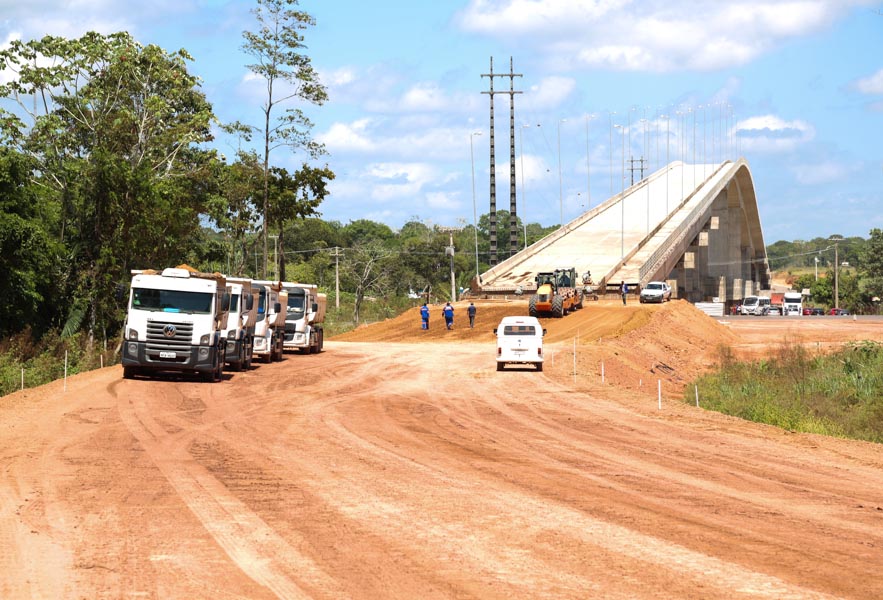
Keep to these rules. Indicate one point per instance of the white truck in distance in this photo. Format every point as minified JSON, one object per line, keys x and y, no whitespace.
{"x":269,"y":329}
{"x":520,"y":341}
{"x":792,"y":303}
{"x":174,"y":323}
{"x":239,"y":333}
{"x":304,"y":318}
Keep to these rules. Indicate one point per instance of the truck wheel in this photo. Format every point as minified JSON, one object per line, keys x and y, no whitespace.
{"x":321,"y":339}
{"x":557,"y":307}
{"x":500,"y":366}
{"x":540,"y":367}
{"x":532,"y":306}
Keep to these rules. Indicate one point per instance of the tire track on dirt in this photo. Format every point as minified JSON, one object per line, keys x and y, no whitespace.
{"x":384,"y":504}
{"x":249,"y":542}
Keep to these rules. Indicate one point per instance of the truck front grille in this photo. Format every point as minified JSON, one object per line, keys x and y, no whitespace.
{"x":158,"y":341}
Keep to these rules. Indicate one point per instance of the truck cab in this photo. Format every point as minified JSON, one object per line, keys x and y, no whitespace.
{"x":304,"y":317}
{"x":792,"y":303}
{"x":174,"y":323}
{"x":269,"y":330}
{"x":239,"y":333}
{"x":520,"y":341}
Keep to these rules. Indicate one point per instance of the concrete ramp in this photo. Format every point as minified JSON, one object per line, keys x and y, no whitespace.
{"x":694,"y":225}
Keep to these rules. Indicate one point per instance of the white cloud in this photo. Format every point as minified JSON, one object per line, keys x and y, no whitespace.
{"x":872,"y":84}
{"x":424,"y":97}
{"x":391,"y":181}
{"x":550,"y":92}
{"x":654,"y":35}
{"x":348,"y":137}
{"x":817,"y":174}
{"x":772,"y":134}
{"x":442,"y":201}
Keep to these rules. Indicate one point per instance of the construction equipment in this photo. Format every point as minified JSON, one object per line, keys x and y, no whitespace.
{"x":557,"y":294}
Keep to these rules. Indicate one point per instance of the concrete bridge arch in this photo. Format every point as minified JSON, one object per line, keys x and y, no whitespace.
{"x":696,"y":226}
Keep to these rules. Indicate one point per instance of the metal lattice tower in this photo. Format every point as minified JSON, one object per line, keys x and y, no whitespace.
{"x":513,"y":217}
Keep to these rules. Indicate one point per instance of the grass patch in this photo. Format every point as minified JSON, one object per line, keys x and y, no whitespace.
{"x":839,"y":394}
{"x":43,"y":360}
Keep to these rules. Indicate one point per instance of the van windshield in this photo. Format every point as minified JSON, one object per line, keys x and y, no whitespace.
{"x":750,"y":301}
{"x":519,"y":330}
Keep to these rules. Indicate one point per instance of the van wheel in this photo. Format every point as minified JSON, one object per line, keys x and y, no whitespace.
{"x":539,"y":367}
{"x":500,"y":366}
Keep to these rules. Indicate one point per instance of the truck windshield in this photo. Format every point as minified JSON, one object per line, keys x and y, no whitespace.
{"x":519,"y":330}
{"x":172,"y":301}
{"x":234,"y":303}
{"x":296,"y":303}
{"x":262,"y":305}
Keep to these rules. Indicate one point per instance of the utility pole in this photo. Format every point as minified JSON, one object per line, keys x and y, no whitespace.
{"x":336,"y":256}
{"x":633,"y":168}
{"x":513,"y":219}
{"x":449,"y":250}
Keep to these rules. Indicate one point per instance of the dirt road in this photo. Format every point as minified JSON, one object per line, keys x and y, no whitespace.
{"x":412,"y":469}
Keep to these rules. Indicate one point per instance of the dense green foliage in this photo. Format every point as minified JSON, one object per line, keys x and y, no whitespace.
{"x":850,"y":269}
{"x":840,"y":394}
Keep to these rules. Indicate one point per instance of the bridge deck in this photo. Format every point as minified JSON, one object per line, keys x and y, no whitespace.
{"x":614,"y":239}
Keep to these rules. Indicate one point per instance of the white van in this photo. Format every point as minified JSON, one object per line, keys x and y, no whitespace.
{"x":755,"y":305}
{"x":749,"y":304}
{"x":519,"y":341}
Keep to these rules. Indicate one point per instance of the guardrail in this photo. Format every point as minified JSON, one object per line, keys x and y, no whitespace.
{"x":675,"y":237}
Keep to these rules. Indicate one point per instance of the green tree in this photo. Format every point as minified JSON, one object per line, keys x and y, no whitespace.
{"x":871,"y":264}
{"x":295,"y":197}
{"x":112,"y":130}
{"x":233,"y":205}
{"x":277,"y":48}
{"x":367,"y":270}
{"x":28,"y":252}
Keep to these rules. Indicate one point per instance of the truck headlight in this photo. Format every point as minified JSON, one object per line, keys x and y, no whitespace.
{"x":133,"y":349}
{"x":231,"y":334}
{"x":205,"y":340}
{"x":203,"y":353}
{"x":133,"y":334}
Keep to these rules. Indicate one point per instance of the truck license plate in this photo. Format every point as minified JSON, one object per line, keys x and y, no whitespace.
{"x":167,"y":355}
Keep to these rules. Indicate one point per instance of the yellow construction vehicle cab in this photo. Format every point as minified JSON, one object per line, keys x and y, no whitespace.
{"x":557,"y":293}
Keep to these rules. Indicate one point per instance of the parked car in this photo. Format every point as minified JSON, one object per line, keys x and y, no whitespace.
{"x":813,"y":310}
{"x":655,"y":291}
{"x":776,"y":310}
{"x":838,"y":311}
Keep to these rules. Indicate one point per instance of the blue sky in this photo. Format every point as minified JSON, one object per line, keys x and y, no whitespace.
{"x":799,"y":81}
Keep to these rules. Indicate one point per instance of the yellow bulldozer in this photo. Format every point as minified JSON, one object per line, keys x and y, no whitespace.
{"x":558,"y":292}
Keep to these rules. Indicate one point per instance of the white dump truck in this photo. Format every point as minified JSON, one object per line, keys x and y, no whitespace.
{"x":174,"y":323}
{"x":269,"y":330}
{"x":304,"y":318}
{"x":239,"y":333}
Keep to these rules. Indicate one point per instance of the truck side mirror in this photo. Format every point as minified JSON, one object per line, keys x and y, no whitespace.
{"x":225,"y":302}
{"x":544,"y":331}
{"x":120,"y":292}
{"x":495,"y":332}
{"x":315,"y":307}
{"x":277,"y":308}
{"x":249,"y":302}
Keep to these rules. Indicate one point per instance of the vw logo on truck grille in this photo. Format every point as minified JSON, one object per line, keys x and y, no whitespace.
{"x":169,"y":331}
